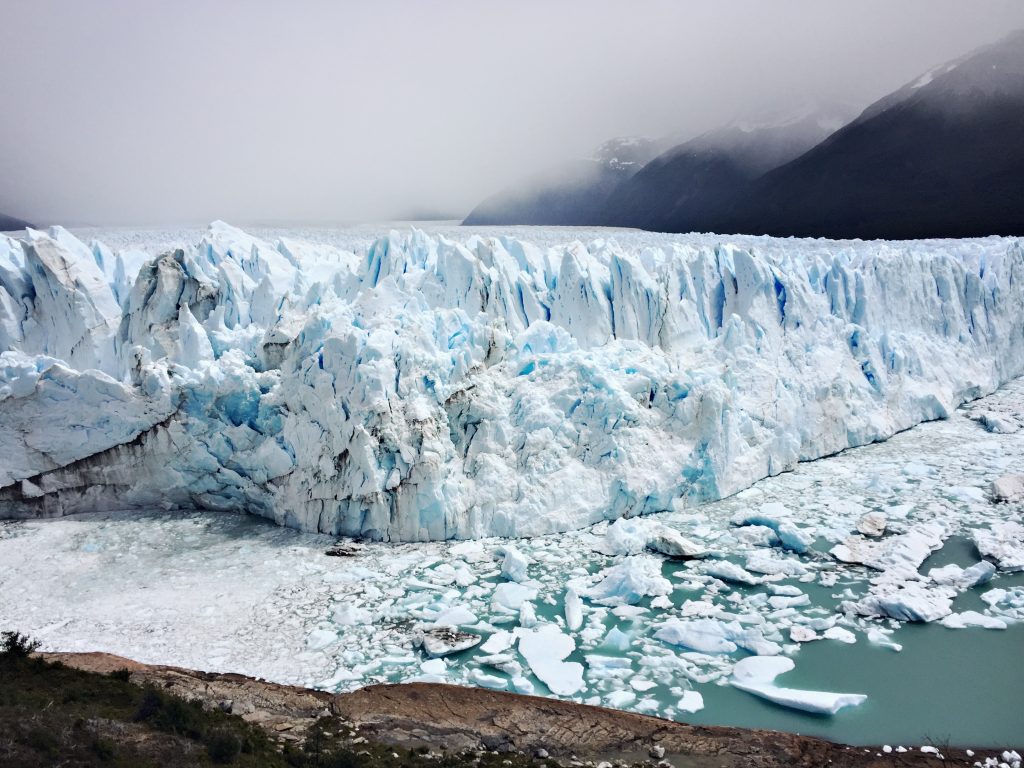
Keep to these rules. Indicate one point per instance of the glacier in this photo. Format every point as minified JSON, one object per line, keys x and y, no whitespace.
{"x":430,"y":387}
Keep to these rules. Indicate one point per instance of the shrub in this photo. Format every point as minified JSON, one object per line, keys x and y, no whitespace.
{"x":222,"y":746}
{"x":169,"y":714}
{"x":41,"y":740}
{"x":103,"y":749}
{"x":14,"y":645}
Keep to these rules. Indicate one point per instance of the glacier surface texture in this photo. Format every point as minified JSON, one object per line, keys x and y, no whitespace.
{"x":428,"y":387}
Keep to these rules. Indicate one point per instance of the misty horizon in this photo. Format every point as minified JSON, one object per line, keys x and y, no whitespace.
{"x":140,"y":114}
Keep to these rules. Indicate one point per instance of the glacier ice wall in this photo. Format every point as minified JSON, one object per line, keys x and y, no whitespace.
{"x":427,"y":388}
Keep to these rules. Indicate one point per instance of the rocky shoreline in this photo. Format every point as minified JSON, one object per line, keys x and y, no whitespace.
{"x":447,"y":719}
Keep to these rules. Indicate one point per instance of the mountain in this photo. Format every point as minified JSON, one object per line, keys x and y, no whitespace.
{"x":9,"y":223}
{"x":575,"y":193}
{"x":681,"y":188}
{"x":942,"y":156}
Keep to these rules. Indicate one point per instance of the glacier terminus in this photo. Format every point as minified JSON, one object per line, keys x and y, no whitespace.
{"x":430,"y":387}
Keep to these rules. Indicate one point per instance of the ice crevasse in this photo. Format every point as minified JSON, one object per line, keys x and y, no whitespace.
{"x":429,"y":388}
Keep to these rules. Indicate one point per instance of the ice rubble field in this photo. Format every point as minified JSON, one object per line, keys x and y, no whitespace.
{"x":588,"y":615}
{"x":435,"y":386}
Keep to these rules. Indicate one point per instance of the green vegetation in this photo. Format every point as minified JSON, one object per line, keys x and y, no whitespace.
{"x":52,"y":714}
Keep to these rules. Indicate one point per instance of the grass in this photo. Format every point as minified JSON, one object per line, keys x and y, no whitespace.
{"x":52,"y":714}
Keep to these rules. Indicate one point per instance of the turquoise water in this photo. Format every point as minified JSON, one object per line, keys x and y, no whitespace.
{"x":962,"y":687}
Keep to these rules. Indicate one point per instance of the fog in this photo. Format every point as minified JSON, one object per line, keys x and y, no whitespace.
{"x":151,"y":112}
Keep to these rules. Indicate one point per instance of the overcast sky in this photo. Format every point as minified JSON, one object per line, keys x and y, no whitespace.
{"x":159,"y":112}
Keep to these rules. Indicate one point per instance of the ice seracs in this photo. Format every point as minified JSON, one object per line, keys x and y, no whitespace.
{"x":426,"y":388}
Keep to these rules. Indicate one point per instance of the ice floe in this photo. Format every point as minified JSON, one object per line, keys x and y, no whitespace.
{"x":756,"y":675}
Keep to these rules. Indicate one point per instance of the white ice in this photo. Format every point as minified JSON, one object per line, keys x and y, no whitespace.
{"x":755,"y":674}
{"x":424,"y":387}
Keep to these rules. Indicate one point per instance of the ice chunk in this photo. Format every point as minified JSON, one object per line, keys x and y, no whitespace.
{"x":972,"y":619}
{"x":620,"y":698}
{"x":444,"y":641}
{"x":911,"y":601}
{"x":963,"y":578}
{"x":898,"y":556}
{"x":841,"y":635}
{"x":728,"y":571}
{"x":704,"y":635}
{"x":498,"y":642}
{"x":616,"y":639}
{"x":1004,"y":543}
{"x":883,"y":639}
{"x":756,"y":675}
{"x":1006,"y":603}
{"x":690,"y":701}
{"x":713,"y":636}
{"x":671,"y":543}
{"x":347,"y":615}
{"x":802,"y":634}
{"x":631,"y":536}
{"x":763,"y":562}
{"x":515,"y":564}
{"x":435,"y":667}
{"x":573,"y":610}
{"x":1009,"y":488}
{"x":629,"y":581}
{"x":456,"y":616}
{"x":872,"y":524}
{"x":998,"y":423}
{"x":544,"y":649}
{"x":626,"y":536}
{"x":484,"y":680}
{"x":774,"y":516}
{"x":511,"y":595}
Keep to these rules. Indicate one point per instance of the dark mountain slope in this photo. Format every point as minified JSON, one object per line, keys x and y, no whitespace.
{"x":695,"y":181}
{"x":573,"y":194}
{"x":9,"y":223}
{"x":941,"y":157}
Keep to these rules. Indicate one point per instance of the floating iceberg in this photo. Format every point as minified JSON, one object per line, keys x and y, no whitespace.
{"x":425,"y":388}
{"x":1004,"y":543}
{"x":544,"y":649}
{"x":629,"y":581}
{"x":755,"y":674}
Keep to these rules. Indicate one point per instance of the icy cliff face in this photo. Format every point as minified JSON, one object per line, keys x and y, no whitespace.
{"x":426,"y":388}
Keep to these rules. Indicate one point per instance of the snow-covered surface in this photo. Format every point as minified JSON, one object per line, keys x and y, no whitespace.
{"x":225,"y":592}
{"x":456,"y":384}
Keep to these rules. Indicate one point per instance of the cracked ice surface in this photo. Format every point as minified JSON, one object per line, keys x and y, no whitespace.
{"x":461,"y":385}
{"x":225,"y":592}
